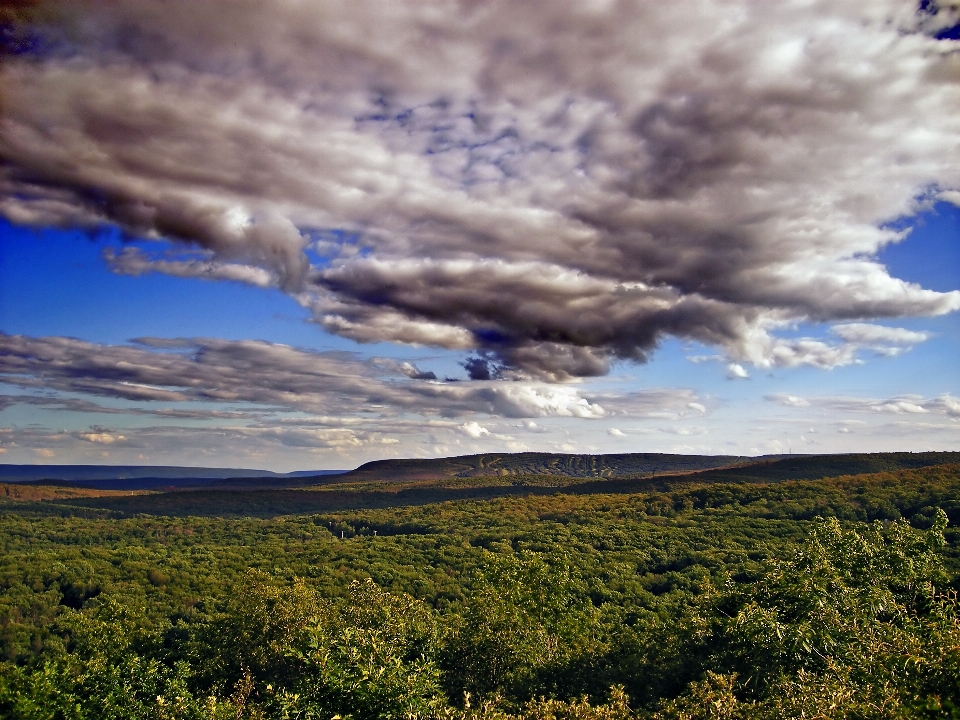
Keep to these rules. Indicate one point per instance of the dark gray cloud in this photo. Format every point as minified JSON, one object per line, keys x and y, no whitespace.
{"x":479,"y":368}
{"x":555,"y":185}
{"x":415,"y":373}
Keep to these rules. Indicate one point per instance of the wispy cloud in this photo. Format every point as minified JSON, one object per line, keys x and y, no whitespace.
{"x":766,"y":351}
{"x":945,"y":404}
{"x":134,"y":261}
{"x":239,"y":401}
{"x":553,"y":184}
{"x":77,"y":405}
{"x":263,"y":376}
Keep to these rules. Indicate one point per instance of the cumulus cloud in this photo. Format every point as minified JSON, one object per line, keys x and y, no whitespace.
{"x":766,"y":351}
{"x":947,"y":404}
{"x":105,"y":438}
{"x":532,"y":427}
{"x":735,"y":371}
{"x":479,"y":368}
{"x":555,"y":185}
{"x":474,"y":429}
{"x":415,"y":373}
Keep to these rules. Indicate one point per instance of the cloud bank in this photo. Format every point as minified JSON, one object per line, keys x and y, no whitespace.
{"x":255,"y":402}
{"x":265,"y":376}
{"x":552,"y":185}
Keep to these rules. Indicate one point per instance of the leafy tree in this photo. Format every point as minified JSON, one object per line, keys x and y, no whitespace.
{"x":371,"y":657}
{"x":526,"y":620}
{"x":854,"y":625}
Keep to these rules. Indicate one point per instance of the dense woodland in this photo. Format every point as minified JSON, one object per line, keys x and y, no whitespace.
{"x":703,"y":596}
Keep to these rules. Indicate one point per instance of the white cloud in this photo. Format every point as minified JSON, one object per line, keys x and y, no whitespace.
{"x":132,"y":261}
{"x":262,"y":376}
{"x":533,"y":427}
{"x":697,"y":359}
{"x":526,"y":400}
{"x":950,"y":196}
{"x":867,"y":334}
{"x":103,"y":438}
{"x":684,"y":430}
{"x":911,"y":404}
{"x":788,"y":400}
{"x":615,"y":432}
{"x":254,"y":398}
{"x":669,"y":403}
{"x":736,"y":371}
{"x":474,"y":429}
{"x":947,"y":404}
{"x":552,"y":184}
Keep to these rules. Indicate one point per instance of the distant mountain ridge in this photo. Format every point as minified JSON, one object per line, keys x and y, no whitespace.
{"x":601,"y":473}
{"x":270,"y":497}
{"x":642,"y":465}
{"x":141,"y":476}
{"x":396,"y":483}
{"x":534,"y":463}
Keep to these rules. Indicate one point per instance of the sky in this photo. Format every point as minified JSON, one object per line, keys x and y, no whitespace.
{"x":298,"y":235}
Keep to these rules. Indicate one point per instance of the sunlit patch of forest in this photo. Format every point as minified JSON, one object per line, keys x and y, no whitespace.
{"x":721,"y":596}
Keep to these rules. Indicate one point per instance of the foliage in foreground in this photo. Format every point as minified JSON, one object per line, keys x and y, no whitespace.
{"x":854,"y":624}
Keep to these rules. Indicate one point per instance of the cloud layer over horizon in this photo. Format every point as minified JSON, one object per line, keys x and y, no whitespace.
{"x":271,"y":395}
{"x":549,"y":186}
{"x":268,"y":376}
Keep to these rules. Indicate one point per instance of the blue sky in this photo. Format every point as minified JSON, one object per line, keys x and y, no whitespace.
{"x":215,"y":259}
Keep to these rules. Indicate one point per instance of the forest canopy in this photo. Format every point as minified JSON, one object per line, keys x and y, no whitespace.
{"x":823,"y":598}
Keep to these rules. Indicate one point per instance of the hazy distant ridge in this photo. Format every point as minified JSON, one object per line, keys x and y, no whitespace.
{"x":88,"y":473}
{"x":627,"y":472}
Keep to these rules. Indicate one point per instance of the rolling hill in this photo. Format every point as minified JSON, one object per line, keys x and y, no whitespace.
{"x":534,"y":463}
{"x":397,"y":483}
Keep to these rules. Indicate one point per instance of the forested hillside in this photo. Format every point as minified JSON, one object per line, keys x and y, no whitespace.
{"x":534,"y":463}
{"x":705,"y":596}
{"x":418,"y":482}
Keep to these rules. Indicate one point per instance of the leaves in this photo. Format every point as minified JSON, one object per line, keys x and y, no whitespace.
{"x":700,"y":602}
